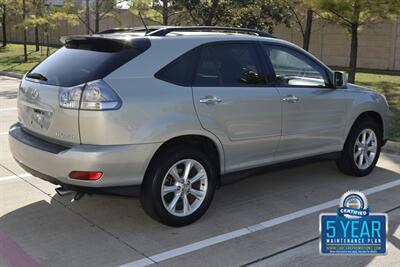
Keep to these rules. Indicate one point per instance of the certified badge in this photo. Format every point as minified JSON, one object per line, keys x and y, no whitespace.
{"x":353,"y":205}
{"x":353,"y":229}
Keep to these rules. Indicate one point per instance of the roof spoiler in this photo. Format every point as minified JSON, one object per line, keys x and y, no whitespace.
{"x":69,"y":38}
{"x":97,"y":43}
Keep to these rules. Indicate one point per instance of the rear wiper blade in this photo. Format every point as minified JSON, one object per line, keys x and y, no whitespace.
{"x":37,"y":76}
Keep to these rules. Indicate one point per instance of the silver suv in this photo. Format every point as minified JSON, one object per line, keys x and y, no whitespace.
{"x":171,"y":111}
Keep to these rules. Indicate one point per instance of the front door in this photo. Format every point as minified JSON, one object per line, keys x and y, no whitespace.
{"x":233,"y":102}
{"x":313,"y":113}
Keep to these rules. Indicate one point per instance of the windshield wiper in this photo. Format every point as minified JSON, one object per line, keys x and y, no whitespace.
{"x":37,"y":76}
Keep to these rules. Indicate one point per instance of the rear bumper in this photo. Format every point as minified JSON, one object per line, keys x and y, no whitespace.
{"x":122,"y":165}
{"x":130,"y":190}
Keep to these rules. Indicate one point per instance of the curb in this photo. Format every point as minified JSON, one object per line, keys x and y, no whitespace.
{"x":391,"y":147}
{"x":11,"y":74}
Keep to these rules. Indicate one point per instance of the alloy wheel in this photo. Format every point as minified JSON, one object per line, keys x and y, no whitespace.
{"x":184,"y":187}
{"x":365,"y":149}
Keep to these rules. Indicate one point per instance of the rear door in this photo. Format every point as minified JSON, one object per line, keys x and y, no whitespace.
{"x":313,"y":113}
{"x":233,"y":101}
{"x":40,"y":114}
{"x":80,"y":61}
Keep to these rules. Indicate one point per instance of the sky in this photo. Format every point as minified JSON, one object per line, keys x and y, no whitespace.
{"x":124,"y":4}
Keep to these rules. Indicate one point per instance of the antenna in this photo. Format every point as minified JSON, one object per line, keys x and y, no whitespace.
{"x":144,"y":24}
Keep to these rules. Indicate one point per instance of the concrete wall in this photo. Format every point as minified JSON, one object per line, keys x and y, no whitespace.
{"x":379,"y":46}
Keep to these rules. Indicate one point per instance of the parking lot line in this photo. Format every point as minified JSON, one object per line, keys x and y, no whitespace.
{"x":157,"y":258}
{"x":7,"y":109}
{"x":14,"y":254}
{"x":3,"y":133}
{"x":23,"y":175}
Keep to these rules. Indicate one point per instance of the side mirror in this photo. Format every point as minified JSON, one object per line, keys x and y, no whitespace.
{"x":340,"y":79}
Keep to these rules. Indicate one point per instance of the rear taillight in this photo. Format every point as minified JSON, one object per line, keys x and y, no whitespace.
{"x":85,"y":175}
{"x":70,"y":97}
{"x":96,"y":95}
{"x":99,"y":96}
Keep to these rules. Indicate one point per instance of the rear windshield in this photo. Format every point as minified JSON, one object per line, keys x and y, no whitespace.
{"x":81,"y":61}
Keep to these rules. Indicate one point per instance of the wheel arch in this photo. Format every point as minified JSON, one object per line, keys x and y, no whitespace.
{"x":208,"y":144}
{"x":369,"y":114}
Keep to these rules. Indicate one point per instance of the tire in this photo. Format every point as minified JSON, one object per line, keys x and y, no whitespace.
{"x":347,"y":162}
{"x":159,"y":179}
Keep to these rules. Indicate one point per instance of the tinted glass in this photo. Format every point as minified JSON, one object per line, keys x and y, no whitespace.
{"x":294,"y":69}
{"x":84,"y":61}
{"x":229,"y":65}
{"x":180,"y":71}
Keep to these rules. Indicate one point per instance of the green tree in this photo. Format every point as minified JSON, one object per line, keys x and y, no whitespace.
{"x":101,"y":9}
{"x":352,"y":15}
{"x":207,"y":12}
{"x":156,"y":10}
{"x":4,"y":22}
{"x":260,"y":14}
{"x":8,"y":8}
{"x":49,"y":17}
{"x":98,"y":10}
{"x":24,"y":13}
{"x":303,"y":13}
{"x":38,"y":6}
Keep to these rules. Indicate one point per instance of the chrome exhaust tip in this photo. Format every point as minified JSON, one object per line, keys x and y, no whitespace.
{"x":61,"y":191}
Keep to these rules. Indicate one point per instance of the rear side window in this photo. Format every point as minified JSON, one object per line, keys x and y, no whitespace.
{"x":81,"y":61}
{"x":179,"y":71}
{"x":229,"y":65}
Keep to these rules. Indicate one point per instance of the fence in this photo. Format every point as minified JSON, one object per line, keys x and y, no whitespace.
{"x":379,"y":46}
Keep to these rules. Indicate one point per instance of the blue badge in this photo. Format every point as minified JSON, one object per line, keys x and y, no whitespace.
{"x":353,"y":229}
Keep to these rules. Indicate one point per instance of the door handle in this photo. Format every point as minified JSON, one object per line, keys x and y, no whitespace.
{"x":210,"y":100}
{"x":291,"y":99}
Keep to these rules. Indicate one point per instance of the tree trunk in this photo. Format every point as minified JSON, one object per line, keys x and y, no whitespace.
{"x":37,"y":38}
{"x":165,"y":12}
{"x":97,"y":17}
{"x":24,"y":16}
{"x":87,"y":13}
{"x":97,"y":23}
{"x":3,"y":24}
{"x":307,"y":31}
{"x":353,"y":53}
{"x":47,"y":42}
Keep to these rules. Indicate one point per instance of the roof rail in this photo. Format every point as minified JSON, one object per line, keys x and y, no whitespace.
{"x":134,"y":29}
{"x":162,"y":31}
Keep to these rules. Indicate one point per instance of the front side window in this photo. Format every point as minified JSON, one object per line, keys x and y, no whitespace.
{"x":294,"y":69}
{"x":229,"y":65}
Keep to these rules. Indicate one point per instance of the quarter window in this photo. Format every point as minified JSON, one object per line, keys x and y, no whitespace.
{"x":294,"y":69}
{"x":229,"y":65}
{"x":179,"y":71}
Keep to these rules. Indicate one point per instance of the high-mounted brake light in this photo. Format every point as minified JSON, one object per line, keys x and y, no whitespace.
{"x":96,"y":95}
{"x":85,"y":175}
